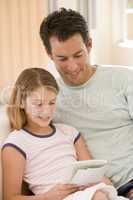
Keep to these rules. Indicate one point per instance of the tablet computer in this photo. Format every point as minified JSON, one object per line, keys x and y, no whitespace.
{"x":88,"y":171}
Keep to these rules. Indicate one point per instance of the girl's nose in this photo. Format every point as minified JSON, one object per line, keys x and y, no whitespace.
{"x":46,"y":111}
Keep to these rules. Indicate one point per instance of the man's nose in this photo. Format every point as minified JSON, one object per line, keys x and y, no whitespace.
{"x":72,"y":65}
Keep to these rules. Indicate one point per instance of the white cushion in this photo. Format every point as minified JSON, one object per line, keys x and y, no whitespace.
{"x":4,"y":131}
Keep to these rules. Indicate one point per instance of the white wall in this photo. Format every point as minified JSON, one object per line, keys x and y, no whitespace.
{"x":102,"y":34}
{"x":105,"y":50}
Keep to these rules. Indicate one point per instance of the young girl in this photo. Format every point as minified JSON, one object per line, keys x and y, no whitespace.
{"x":39,"y":151}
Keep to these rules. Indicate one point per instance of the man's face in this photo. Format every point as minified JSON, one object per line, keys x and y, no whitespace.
{"x":71,"y":59}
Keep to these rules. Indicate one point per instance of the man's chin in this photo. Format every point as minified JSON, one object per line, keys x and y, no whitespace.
{"x":74,"y":82}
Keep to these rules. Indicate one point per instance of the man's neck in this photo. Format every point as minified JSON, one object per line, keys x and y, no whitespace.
{"x":91,"y":71}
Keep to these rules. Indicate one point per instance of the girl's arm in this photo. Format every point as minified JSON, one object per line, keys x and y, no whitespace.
{"x":13,"y":166}
{"x":82,"y":150}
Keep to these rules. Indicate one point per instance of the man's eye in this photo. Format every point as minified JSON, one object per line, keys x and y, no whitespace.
{"x":62,"y":59}
{"x":77,"y":56}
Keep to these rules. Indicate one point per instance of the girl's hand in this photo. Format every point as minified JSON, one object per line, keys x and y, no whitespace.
{"x":60,"y":191}
{"x":83,"y":187}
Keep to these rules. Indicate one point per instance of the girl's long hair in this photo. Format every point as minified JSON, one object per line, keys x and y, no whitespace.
{"x":29,"y":80}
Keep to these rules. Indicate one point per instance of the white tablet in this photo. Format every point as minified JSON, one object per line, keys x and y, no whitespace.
{"x":88,"y":171}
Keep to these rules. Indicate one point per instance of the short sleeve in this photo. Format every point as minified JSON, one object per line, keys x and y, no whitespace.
{"x":72,"y":133}
{"x":13,"y":141}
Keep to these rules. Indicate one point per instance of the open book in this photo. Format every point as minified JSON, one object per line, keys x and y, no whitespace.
{"x":88,"y":171}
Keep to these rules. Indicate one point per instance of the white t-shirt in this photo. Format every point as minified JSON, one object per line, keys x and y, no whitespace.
{"x":47,"y":156}
{"x":102,"y":110}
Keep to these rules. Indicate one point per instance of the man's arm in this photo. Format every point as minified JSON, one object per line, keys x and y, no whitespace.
{"x":84,"y":154}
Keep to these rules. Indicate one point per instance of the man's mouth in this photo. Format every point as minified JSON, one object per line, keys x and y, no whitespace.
{"x":74,"y":74}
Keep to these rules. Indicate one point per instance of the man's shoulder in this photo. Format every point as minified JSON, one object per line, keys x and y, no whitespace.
{"x":117,"y":68}
{"x":117,"y":72}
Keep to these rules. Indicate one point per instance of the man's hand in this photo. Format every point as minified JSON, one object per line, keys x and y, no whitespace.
{"x":106,"y":181}
{"x":130,"y":194}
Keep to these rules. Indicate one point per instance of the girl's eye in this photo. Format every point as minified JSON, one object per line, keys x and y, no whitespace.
{"x":51,"y":103}
{"x":39,"y":105}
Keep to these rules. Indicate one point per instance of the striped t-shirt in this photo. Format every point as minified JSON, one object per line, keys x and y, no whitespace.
{"x":48,"y":157}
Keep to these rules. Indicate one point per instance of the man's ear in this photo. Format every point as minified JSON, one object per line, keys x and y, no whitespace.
{"x":50,"y":56}
{"x":89,"y":44}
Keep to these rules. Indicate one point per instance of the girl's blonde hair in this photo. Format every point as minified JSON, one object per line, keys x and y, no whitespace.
{"x":29,"y":80}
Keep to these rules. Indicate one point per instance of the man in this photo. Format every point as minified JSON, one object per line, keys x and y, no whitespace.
{"x":97,"y":100}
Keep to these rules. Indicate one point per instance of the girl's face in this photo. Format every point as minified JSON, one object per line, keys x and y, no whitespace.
{"x":40,"y":107}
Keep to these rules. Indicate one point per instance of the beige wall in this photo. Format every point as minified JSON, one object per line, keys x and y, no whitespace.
{"x":130,"y":26}
{"x":20,"y":44}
